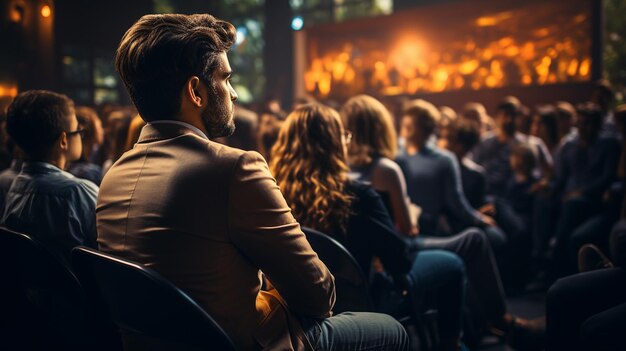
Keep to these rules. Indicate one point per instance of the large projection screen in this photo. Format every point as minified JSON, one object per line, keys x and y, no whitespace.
{"x":477,"y":45}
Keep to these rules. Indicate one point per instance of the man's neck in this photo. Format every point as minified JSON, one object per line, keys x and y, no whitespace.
{"x":413,"y":148}
{"x":193,"y":120}
{"x":57,"y":162}
{"x":60,"y":162}
{"x":503,"y":137}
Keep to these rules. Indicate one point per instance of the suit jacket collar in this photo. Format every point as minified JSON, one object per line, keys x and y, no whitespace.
{"x":167,"y":130}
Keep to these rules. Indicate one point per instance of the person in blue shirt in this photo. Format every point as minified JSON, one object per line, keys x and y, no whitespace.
{"x":44,"y":201}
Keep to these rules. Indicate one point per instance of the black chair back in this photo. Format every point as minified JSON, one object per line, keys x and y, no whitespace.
{"x":151,"y":312}
{"x":353,"y":290}
{"x":46,"y":305}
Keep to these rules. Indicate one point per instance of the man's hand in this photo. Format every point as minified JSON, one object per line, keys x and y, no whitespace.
{"x":489,"y":209}
{"x":488,"y":220}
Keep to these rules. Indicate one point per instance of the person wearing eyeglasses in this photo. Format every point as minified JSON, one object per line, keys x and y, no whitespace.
{"x":45,"y":201}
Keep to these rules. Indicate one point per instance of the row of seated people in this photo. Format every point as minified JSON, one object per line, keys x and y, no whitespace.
{"x":310,"y":161}
{"x":43,"y":196}
{"x":536,"y":207}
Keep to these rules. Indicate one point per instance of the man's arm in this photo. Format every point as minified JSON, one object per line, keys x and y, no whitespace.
{"x":263,"y":228}
{"x":455,"y":199}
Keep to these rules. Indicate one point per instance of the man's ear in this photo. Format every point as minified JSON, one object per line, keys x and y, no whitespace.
{"x":62,"y":141}
{"x":194,"y":93}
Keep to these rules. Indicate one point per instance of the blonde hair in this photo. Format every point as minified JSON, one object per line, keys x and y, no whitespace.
{"x":94,"y":134}
{"x":373,"y":132}
{"x":308,"y":162}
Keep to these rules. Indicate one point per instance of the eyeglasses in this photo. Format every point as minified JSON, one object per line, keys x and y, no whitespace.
{"x":79,"y":131}
{"x":347,"y":136}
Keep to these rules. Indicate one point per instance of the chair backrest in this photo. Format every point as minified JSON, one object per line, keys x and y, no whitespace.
{"x":353,"y":290}
{"x":146,"y":306}
{"x":43,"y":294}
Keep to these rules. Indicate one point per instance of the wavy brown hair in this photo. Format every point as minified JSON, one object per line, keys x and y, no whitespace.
{"x":308,"y":161}
{"x":372,"y":127}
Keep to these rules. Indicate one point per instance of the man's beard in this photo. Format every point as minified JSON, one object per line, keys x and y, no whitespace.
{"x":217,"y":119}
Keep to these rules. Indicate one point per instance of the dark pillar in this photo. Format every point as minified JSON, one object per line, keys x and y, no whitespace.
{"x":597,"y":38}
{"x":278,"y":52}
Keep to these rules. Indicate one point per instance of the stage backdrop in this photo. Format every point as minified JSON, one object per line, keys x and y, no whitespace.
{"x":454,"y":52}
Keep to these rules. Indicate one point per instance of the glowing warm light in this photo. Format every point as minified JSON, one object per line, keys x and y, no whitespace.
{"x":410,"y":64}
{"x":583,"y":70}
{"x":511,"y":51}
{"x":506,"y":41}
{"x":414,"y":85}
{"x":339,"y":69}
{"x":528,"y":51}
{"x":486,"y":21}
{"x":324,"y":85}
{"x":487,"y":54}
{"x":459,"y":82}
{"x":572,"y":68}
{"x":392,"y":90}
{"x":491,"y":81}
{"x":552,"y":78}
{"x":46,"y":11}
{"x":441,"y":75}
{"x":8,"y":90}
{"x":349,"y":76}
{"x":16,"y":15}
{"x":468,"y":67}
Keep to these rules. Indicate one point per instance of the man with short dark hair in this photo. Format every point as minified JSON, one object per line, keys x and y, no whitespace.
{"x":494,"y":151}
{"x":44,"y":201}
{"x":209,"y":217}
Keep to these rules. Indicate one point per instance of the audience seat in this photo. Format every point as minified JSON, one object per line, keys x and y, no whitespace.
{"x":44,"y":306}
{"x":353,"y":289}
{"x":151,"y":312}
{"x":351,"y":284}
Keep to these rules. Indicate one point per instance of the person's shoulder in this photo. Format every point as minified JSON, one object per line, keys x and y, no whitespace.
{"x":65,"y":185}
{"x":387,"y":166}
{"x":609,"y":140}
{"x":224,"y":151}
{"x":472,"y":166}
{"x":361,"y":190}
{"x":443,"y":155}
{"x":488,"y":138}
{"x":81,"y":185}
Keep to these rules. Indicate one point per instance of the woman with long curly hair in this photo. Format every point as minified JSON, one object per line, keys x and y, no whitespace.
{"x":310,"y":166}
